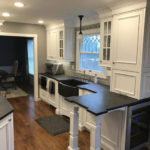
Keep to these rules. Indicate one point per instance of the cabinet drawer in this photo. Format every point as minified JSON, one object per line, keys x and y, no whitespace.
{"x":126,"y":83}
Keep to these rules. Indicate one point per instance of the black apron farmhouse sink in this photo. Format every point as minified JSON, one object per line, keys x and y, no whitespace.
{"x":69,"y":87}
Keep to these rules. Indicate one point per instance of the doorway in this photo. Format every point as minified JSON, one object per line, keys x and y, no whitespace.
{"x":35,"y":60}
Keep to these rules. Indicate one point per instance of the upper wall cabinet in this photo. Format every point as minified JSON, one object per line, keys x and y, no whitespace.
{"x":128,"y":31}
{"x":105,"y":34}
{"x":52,"y":46}
{"x":60,"y":43}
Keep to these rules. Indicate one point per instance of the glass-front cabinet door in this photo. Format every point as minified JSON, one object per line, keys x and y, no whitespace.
{"x":61,"y":43}
{"x":105,"y":48}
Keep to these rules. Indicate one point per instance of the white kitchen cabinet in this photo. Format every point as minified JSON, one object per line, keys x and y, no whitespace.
{"x":130,"y":47}
{"x":52,"y":44}
{"x":105,"y":34}
{"x":60,"y":43}
{"x":64,"y":107}
{"x":44,"y":95}
{"x":47,"y":96}
{"x":113,"y":129}
{"x":128,"y":30}
{"x":7,"y":133}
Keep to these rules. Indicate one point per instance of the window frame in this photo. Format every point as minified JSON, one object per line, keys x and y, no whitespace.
{"x":78,"y":52}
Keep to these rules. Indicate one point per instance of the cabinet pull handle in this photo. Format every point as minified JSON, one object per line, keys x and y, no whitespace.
{"x":9,"y":120}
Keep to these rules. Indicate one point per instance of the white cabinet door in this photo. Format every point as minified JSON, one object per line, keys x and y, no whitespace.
{"x":52,"y":44}
{"x":124,"y":82}
{"x":128,"y":29}
{"x":6,"y":133}
{"x":60,"y":43}
{"x":105,"y":50}
{"x":44,"y":95}
{"x":65,"y":106}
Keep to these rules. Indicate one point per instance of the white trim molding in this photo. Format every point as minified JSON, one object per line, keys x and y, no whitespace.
{"x":123,"y":6}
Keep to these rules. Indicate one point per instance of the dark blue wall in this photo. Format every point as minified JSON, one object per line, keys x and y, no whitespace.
{"x":12,"y":48}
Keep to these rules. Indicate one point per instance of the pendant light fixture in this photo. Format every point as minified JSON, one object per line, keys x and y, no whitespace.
{"x":80,"y":17}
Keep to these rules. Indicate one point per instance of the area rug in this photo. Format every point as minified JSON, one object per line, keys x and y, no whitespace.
{"x":54,"y":125}
{"x":14,"y":93}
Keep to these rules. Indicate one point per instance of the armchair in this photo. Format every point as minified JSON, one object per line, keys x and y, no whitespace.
{"x":10,"y":79}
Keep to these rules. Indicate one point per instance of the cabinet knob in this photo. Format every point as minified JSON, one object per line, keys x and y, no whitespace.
{"x":9,"y":120}
{"x":113,"y":62}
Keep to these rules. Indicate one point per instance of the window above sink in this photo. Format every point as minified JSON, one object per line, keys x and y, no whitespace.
{"x":88,"y":50}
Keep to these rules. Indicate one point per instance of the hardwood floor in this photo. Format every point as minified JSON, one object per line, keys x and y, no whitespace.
{"x":30,"y":136}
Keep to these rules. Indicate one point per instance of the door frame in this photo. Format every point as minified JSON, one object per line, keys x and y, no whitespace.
{"x":34,"y":36}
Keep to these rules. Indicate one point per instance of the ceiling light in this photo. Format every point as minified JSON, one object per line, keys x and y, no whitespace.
{"x":41,"y":21}
{"x":19,"y":4}
{"x":5,"y":14}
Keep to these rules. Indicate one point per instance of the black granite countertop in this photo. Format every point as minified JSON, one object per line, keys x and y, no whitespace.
{"x":102,"y":100}
{"x":5,"y":107}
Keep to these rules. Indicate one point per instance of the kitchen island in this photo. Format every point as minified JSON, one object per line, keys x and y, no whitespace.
{"x":6,"y":125}
{"x":90,"y":111}
{"x":97,"y":106}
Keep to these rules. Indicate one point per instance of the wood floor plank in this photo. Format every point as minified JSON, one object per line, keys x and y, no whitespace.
{"x":29,"y":135}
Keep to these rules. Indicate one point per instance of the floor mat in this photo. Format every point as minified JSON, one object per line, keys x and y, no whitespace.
{"x":54,"y":125}
{"x":13,"y":93}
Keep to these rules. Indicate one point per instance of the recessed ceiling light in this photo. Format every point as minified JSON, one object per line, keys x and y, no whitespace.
{"x":41,"y":21}
{"x":5,"y":14}
{"x":19,"y":4}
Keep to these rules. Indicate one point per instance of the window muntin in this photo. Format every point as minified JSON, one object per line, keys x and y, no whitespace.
{"x":89,"y":53}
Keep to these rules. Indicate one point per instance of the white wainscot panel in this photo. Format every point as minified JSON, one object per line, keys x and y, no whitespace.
{"x":126,"y":83}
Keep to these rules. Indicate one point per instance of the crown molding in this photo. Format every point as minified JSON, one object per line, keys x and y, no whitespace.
{"x":104,"y":13}
{"x":121,"y":7}
{"x":127,"y":6}
{"x":59,"y":24}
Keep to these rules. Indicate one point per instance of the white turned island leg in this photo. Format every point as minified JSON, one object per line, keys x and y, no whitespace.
{"x":74,"y":119}
{"x":95,"y":135}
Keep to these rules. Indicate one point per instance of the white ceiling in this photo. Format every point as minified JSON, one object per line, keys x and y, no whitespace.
{"x":51,"y":10}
